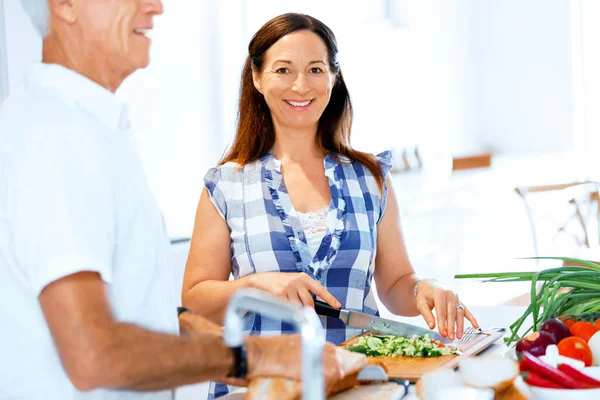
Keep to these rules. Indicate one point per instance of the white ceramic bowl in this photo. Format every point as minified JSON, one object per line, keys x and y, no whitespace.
{"x":561,"y":394}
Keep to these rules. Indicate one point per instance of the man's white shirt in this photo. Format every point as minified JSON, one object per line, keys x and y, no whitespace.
{"x":73,"y":197}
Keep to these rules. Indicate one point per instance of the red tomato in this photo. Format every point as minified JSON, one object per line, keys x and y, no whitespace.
{"x":597,"y":324}
{"x":575,"y":347}
{"x":568,"y":321}
{"x":584,"y":330}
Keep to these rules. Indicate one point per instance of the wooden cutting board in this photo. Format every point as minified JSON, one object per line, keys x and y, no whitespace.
{"x":412,"y":368}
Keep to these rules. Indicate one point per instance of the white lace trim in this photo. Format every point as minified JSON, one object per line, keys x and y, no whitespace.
{"x":314,"y":225}
{"x":315,"y":221}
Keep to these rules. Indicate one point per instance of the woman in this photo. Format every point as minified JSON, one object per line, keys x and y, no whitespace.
{"x":293,"y":210}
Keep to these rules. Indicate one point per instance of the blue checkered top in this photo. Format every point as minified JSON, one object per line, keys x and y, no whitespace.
{"x":267,"y":236}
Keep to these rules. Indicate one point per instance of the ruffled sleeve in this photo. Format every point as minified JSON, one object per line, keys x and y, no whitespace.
{"x":214,"y":185}
{"x":386,"y":161}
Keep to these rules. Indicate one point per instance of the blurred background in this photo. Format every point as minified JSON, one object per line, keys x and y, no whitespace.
{"x":490,"y":106}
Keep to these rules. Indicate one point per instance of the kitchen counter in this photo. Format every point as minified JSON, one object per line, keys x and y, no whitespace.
{"x":487,"y":316}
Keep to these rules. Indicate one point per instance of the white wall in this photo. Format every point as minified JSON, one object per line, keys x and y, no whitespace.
{"x":438,"y":91}
{"x":24,"y":46}
{"x":524,"y":75}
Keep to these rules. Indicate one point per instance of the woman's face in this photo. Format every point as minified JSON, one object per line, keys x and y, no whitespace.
{"x":296,"y":80}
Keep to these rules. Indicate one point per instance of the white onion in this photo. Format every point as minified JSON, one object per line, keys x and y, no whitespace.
{"x":437,"y":380}
{"x":594,"y":344}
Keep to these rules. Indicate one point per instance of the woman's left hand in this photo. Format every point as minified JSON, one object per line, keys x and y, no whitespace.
{"x":450,"y":312}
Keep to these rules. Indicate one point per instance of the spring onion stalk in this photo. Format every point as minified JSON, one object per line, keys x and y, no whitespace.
{"x":566,"y":292}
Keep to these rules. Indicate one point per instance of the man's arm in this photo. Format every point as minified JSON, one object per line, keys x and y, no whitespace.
{"x":99,"y":352}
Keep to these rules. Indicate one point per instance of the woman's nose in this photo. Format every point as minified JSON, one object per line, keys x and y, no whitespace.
{"x":300,"y":84}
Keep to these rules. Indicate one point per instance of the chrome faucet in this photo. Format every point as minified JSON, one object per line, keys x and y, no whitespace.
{"x":303,"y":318}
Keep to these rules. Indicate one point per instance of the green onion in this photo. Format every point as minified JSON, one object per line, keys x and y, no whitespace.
{"x":579,"y":299}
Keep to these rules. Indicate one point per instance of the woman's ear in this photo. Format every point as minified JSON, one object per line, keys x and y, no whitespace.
{"x":256,"y":80}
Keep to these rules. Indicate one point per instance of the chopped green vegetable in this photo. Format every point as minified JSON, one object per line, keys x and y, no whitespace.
{"x":394,"y":346}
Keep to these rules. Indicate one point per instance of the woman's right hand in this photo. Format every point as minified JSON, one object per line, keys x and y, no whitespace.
{"x":295,"y":287}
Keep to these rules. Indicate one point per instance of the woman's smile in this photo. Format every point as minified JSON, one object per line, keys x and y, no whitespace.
{"x":299,"y":105}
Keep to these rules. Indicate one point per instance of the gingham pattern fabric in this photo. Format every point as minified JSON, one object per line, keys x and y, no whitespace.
{"x":267,"y":236}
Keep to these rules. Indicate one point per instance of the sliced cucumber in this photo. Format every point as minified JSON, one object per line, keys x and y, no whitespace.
{"x":390,"y":345}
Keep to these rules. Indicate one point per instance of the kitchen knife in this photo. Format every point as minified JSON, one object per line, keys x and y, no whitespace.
{"x":375,"y":324}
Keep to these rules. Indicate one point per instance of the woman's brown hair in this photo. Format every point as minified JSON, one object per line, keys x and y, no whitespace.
{"x":255,"y":134}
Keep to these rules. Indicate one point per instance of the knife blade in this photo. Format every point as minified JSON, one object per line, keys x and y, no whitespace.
{"x":372,"y":373}
{"x":376,"y":324}
{"x":376,"y":374}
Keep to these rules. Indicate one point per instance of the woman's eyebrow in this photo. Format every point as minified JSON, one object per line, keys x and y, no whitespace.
{"x":289,"y":62}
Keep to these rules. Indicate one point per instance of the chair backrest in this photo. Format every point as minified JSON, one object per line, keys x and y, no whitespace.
{"x":577,"y":218}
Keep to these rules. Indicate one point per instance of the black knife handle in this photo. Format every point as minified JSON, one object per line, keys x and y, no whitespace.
{"x":326,"y":310}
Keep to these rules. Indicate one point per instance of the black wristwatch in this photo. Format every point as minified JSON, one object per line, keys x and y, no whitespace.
{"x":240,"y":363}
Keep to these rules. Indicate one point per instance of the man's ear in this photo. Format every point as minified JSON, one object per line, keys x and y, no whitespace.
{"x":256,"y":80}
{"x":66,"y":10}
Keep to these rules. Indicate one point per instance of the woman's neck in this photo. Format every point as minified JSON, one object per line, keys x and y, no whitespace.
{"x":296,"y":146}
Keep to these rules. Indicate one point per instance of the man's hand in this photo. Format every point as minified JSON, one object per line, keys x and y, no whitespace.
{"x":280,"y":356}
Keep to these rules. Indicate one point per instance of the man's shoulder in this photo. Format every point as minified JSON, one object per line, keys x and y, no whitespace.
{"x":37,"y":108}
{"x":41,"y":114}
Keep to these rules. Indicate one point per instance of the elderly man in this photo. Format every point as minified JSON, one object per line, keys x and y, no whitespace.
{"x":86,"y":298}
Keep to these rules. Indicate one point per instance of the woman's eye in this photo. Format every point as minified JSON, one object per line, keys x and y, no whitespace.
{"x":282,"y":71}
{"x":316,"y":70}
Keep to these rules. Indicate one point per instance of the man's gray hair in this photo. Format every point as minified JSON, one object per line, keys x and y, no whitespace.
{"x":39,"y":14}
